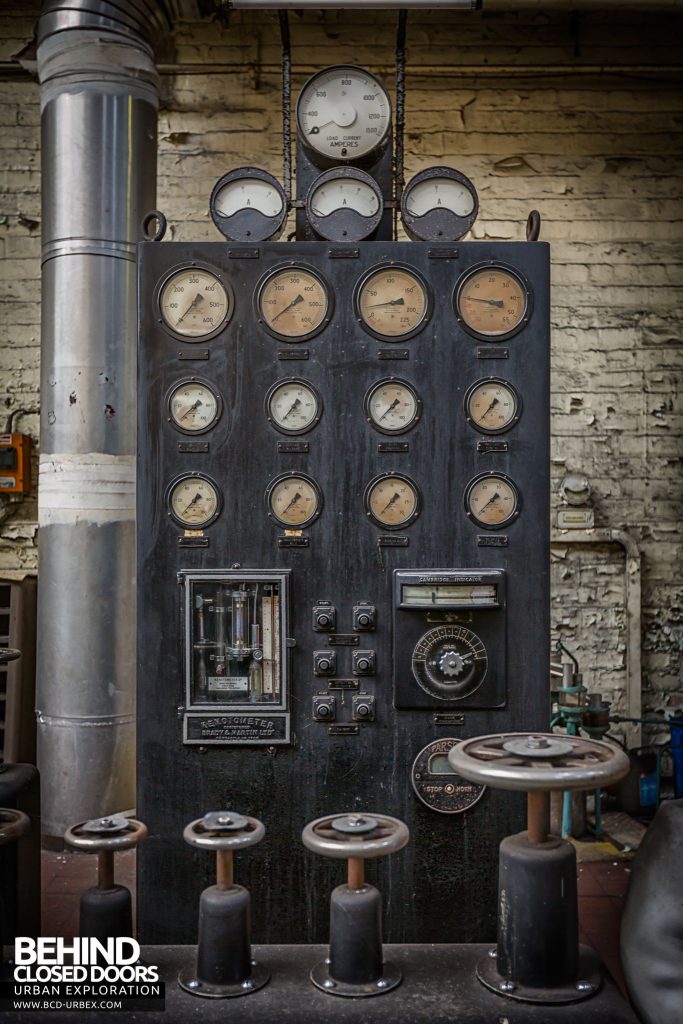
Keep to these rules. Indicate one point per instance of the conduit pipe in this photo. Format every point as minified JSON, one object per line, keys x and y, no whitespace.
{"x":99,"y":100}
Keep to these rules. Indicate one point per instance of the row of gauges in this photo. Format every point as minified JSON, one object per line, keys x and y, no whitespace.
{"x":295,"y":500}
{"x":391,"y":405}
{"x":391,"y":302}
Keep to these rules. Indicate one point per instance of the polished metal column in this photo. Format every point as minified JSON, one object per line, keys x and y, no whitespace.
{"x":99,"y":99}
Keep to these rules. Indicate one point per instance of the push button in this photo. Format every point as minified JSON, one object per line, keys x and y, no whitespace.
{"x":363,"y":663}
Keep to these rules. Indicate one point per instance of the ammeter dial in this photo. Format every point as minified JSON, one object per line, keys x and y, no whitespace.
{"x":392,"y":302}
{"x":450,"y":662}
{"x":492,"y":302}
{"x":293,"y":406}
{"x":293,"y":303}
{"x":344,"y":204}
{"x":248,"y":205}
{"x":194,"y":304}
{"x":492,"y":405}
{"x":439,"y":204}
{"x":194,"y":406}
{"x":343,"y":114}
{"x":294,"y":500}
{"x":392,"y":501}
{"x":492,"y":500}
{"x":193,"y":500}
{"x":392,"y":406}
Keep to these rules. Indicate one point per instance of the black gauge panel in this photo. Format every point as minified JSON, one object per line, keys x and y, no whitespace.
{"x":248,"y":205}
{"x":439,"y":205}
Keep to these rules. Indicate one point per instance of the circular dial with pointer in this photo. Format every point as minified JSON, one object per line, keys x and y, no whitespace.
{"x":492,"y":500}
{"x":492,"y":302}
{"x":293,"y":406}
{"x":344,"y":204}
{"x":392,"y":501}
{"x":392,"y":303}
{"x":294,"y":500}
{"x":293,"y":303}
{"x":194,"y":406}
{"x":248,"y":205}
{"x":194,"y":304}
{"x":439,"y":204}
{"x":194,"y":500}
{"x":449,"y":662}
{"x":492,"y":405}
{"x":392,"y":406}
{"x":343,"y":114}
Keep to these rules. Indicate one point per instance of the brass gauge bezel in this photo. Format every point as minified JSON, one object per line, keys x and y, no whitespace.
{"x":272,"y":390}
{"x":188,"y":266}
{"x":294,"y":475}
{"x":183,"y":382}
{"x":503,"y":383}
{"x":174,"y":483}
{"x":370,"y":488}
{"x":283,"y":268}
{"x":479,"y":268}
{"x":383,"y":382}
{"x":514,"y":515}
{"x":393,"y":339}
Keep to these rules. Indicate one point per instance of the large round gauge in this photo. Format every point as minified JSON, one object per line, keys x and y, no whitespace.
{"x":293,"y":406}
{"x":294,"y":500}
{"x":293,"y":303}
{"x":343,"y":114}
{"x":392,"y":406}
{"x":492,"y":302}
{"x":392,"y":302}
{"x":437,"y":785}
{"x":344,"y":204}
{"x":248,"y":205}
{"x":194,"y":304}
{"x":492,"y":405}
{"x":193,"y":500}
{"x":392,"y":501}
{"x":492,"y":500}
{"x":449,"y":662}
{"x":194,"y":406}
{"x":439,"y":205}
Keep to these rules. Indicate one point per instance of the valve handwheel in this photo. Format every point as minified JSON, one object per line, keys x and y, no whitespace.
{"x":13,"y":825}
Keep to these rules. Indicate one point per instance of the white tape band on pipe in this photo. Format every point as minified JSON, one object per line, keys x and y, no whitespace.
{"x":90,"y":488}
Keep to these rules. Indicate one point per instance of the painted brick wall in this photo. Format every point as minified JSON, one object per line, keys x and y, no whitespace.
{"x":576,"y":115}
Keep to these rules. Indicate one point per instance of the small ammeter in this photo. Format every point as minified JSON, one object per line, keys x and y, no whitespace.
{"x":15,"y":463}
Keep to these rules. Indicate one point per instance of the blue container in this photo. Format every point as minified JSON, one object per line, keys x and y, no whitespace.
{"x":676,"y":725}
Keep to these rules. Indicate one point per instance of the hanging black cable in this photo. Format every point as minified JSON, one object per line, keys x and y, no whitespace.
{"x":399,"y":177}
{"x":286,"y":103}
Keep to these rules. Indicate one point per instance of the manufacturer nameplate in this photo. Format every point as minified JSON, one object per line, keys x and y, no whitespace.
{"x":197,"y":353}
{"x":243,"y":254}
{"x":343,"y":684}
{"x":292,"y":354}
{"x":393,"y":542}
{"x":448,"y":718}
{"x":393,"y":353}
{"x":193,"y":542}
{"x":292,"y":542}
{"x":484,"y":447}
{"x":235,"y":729}
{"x":343,"y":640}
{"x":343,"y":254}
{"x":343,"y":730}
{"x":393,"y":446}
{"x":293,"y":447}
{"x":186,"y":447}
{"x":443,"y":254}
{"x":486,"y":541}
{"x":493,"y":353}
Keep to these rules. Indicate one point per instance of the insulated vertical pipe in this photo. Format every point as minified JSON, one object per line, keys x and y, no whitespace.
{"x":99,"y":100}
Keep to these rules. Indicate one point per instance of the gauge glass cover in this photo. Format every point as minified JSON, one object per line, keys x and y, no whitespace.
{"x":293,"y":406}
{"x":450,"y":662}
{"x":194,"y":501}
{"x":439,"y":194}
{"x":393,"y":302}
{"x":294,"y":501}
{"x":492,"y":406}
{"x":492,"y":302}
{"x":248,"y":193}
{"x":347,"y":194}
{"x":492,"y":501}
{"x":293,"y":303}
{"x":343,"y":113}
{"x":392,"y":501}
{"x":193,"y":303}
{"x":194,"y":406}
{"x":392,"y":406}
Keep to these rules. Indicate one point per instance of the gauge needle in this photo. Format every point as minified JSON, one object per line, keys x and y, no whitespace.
{"x":196,"y":406}
{"x":390,"y":503}
{"x":294,"y":302}
{"x":489,"y":302}
{"x":294,"y":500}
{"x":196,"y":498}
{"x":196,"y":300}
{"x":389,"y":408}
{"x":391,"y":302}
{"x":297,"y":401}
{"x":493,"y":404}
{"x":495,"y":497}
{"x":318,"y":127}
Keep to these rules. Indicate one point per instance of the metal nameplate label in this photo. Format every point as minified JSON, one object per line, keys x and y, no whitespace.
{"x":448,"y":718}
{"x":484,"y":447}
{"x":393,"y":542}
{"x":493,"y":353}
{"x":243,"y":254}
{"x":343,"y":254}
{"x":235,"y":729}
{"x":393,"y":353}
{"x":343,"y":640}
{"x":343,"y":730}
{"x":443,"y":254}
{"x":343,"y":684}
{"x":492,"y":542}
{"x":292,"y":354}
{"x":293,"y":447}
{"x":197,"y":353}
{"x":193,"y":542}
{"x":393,"y":446}
{"x":292,"y":542}
{"x":186,"y":447}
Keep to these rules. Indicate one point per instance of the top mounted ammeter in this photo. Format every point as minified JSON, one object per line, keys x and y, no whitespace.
{"x":343,"y":115}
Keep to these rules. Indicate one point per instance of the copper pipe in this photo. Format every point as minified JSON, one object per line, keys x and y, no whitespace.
{"x":356,"y":877}
{"x":538,"y":816}
{"x":105,"y":869}
{"x":224,"y":871}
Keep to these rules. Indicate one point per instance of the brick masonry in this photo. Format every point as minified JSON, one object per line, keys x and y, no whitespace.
{"x":576,"y":114}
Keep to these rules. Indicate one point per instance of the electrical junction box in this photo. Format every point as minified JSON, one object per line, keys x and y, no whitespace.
{"x":15,"y":464}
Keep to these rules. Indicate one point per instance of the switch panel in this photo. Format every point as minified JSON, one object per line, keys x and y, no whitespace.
{"x":324,"y":708}
{"x":324,"y":663}
{"x":363,"y":663}
{"x":364,"y":617}
{"x":324,"y":617}
{"x":363,"y":707}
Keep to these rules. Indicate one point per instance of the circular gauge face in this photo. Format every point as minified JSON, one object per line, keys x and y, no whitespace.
{"x":294,"y":304}
{"x":492,"y":501}
{"x":392,"y":406}
{"x":248,"y":205}
{"x":392,"y":501}
{"x":294,"y":500}
{"x":492,"y":302}
{"x":343,"y":114}
{"x":449,"y":662}
{"x":344,"y":205}
{"x":393,"y":303}
{"x":194,"y":501}
{"x":293,"y":406}
{"x":194,"y":304}
{"x":492,"y":406}
{"x":194,"y":406}
{"x":439,"y":204}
